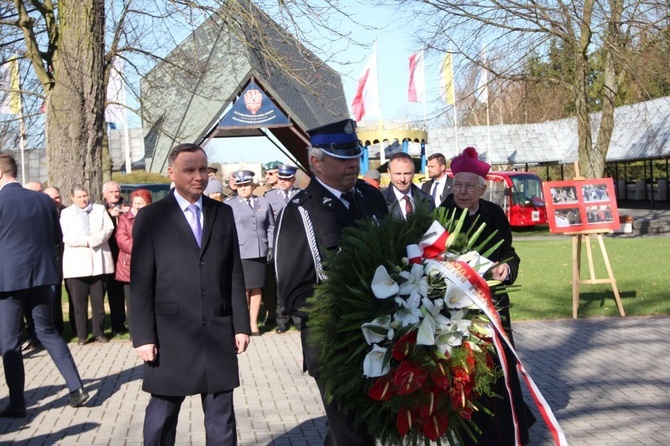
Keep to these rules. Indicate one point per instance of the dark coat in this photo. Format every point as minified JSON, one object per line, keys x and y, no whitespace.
{"x":428,"y":186}
{"x":499,"y":430}
{"x":421,"y":200}
{"x":27,"y":252}
{"x":189,"y":301}
{"x":294,"y":263}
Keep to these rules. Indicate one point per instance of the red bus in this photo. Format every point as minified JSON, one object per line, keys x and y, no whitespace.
{"x":520,"y":196}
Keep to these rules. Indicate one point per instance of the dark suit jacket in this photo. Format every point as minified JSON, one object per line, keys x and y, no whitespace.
{"x":29,"y":233}
{"x":421,"y":200}
{"x":189,"y":301}
{"x":428,"y":186}
{"x":294,"y":262}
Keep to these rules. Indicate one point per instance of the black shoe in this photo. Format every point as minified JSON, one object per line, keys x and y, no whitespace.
{"x":101,"y":339}
{"x":30,"y":344}
{"x":13,"y":412}
{"x":281,"y":330}
{"x":82,"y":341}
{"x":256,"y":333}
{"x":78,"y":397}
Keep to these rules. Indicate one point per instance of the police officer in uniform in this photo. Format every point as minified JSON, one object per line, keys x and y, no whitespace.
{"x":278,"y":198}
{"x":255,"y":232}
{"x":310,"y":225}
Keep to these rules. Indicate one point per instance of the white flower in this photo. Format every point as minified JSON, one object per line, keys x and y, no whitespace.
{"x":455,"y":297}
{"x":416,"y":281}
{"x":476,"y":262}
{"x":377,"y":330}
{"x":383,"y":286}
{"x":373,"y":364}
{"x":434,"y":323}
{"x":408,"y":312}
{"x":426,"y":333}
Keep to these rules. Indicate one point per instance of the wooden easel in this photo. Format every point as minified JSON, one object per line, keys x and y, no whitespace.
{"x":577,"y":239}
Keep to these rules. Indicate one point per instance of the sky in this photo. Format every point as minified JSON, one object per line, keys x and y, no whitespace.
{"x":394,"y":46}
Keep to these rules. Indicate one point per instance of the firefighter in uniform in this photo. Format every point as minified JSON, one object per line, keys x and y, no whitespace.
{"x":310,"y":225}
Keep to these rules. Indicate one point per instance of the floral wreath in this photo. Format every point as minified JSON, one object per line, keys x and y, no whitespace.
{"x":403,"y":344}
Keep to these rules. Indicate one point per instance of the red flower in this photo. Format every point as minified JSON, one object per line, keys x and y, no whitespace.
{"x":408,"y":378}
{"x":403,"y":347}
{"x":440,"y":377}
{"x":435,"y":426}
{"x":404,"y":422}
{"x":382,"y":389}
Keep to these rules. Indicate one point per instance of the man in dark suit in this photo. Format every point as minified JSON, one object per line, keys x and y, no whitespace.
{"x":402,"y":196}
{"x":29,"y":233}
{"x":439,"y":185}
{"x":190,"y":315}
{"x":278,"y":197}
{"x":310,"y":225}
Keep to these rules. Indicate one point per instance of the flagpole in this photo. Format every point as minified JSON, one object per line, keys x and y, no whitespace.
{"x":22,"y":126}
{"x":380,"y":121}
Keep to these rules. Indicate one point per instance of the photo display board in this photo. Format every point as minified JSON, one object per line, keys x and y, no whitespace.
{"x":581,"y":205}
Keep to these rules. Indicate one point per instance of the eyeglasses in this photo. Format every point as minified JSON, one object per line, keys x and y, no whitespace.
{"x":464,"y":186}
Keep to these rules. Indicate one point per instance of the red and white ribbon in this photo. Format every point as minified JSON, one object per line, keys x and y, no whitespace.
{"x":460,"y":274}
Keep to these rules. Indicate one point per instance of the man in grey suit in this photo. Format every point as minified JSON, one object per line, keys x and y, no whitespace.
{"x":402,"y":196}
{"x":190,"y":316}
{"x":29,"y":233}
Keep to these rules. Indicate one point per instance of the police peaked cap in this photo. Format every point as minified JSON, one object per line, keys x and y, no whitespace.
{"x":337,"y":139}
{"x":286,"y":171}
{"x":243,"y":176}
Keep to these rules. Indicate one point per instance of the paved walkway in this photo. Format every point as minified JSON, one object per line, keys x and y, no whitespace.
{"x":607,"y":380}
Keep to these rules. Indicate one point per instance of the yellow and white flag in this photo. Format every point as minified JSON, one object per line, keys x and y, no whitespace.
{"x":447,"y":81}
{"x":10,"y":88}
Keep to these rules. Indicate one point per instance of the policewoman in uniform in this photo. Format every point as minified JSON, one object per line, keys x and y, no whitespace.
{"x":310,"y":225}
{"x":255,"y":231}
{"x":278,"y":197}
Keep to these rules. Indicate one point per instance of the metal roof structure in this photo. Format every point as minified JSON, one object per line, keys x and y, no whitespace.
{"x":641,"y":131}
{"x":186,"y":94}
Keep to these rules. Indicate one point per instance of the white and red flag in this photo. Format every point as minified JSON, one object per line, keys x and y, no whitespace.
{"x":417,"y":78}
{"x":366,"y":100}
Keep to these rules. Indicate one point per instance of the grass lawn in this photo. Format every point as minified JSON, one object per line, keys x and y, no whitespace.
{"x":639,"y":267}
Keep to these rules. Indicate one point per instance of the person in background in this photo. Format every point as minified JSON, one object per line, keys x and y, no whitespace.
{"x":124,"y":239}
{"x":439,"y":184}
{"x":403,"y":197}
{"x":34,"y":185}
{"x":230,"y":190}
{"x":190,"y":316}
{"x":113,"y":202}
{"x":214,"y":186}
{"x":373,"y":177}
{"x":466,"y":191}
{"x":278,"y":198}
{"x":31,"y":341}
{"x":334,"y":200}
{"x":29,"y":233}
{"x":54,"y":193}
{"x":87,"y":260}
{"x":270,"y":170}
{"x":255,"y":231}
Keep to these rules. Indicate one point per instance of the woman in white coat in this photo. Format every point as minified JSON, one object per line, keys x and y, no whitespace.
{"x":86,"y":260}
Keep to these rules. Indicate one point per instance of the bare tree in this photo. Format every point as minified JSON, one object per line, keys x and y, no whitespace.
{"x":513,"y":30}
{"x":71,"y":45}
